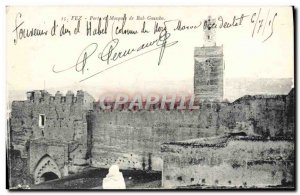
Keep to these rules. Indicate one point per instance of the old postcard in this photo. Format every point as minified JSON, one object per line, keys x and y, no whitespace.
{"x":102,"y":98}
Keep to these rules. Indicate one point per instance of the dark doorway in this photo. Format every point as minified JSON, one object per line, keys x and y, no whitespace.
{"x":49,"y":176}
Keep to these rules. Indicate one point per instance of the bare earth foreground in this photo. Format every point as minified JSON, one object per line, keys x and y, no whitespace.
{"x":92,"y":179}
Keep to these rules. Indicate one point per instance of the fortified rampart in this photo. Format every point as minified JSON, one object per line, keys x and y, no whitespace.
{"x":228,"y":161}
{"x":132,"y":139}
{"x":54,"y":120}
{"x":50,"y":117}
{"x":271,"y":115}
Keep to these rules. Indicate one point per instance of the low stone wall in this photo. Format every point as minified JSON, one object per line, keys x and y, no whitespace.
{"x":230,"y":161}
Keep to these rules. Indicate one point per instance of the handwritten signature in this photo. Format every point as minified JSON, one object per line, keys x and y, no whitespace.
{"x":111,"y":56}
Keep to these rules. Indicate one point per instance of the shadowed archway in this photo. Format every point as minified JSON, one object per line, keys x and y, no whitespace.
{"x":49,"y":176}
{"x":46,"y":169}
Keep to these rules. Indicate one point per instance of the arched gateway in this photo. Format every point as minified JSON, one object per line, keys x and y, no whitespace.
{"x":46,"y":170}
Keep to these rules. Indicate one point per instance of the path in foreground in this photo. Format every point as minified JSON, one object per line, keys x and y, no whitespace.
{"x":92,"y":179}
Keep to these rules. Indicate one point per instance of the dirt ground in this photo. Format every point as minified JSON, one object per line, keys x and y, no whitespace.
{"x":92,"y":179}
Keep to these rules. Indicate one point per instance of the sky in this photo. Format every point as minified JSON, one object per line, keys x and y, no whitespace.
{"x":246,"y":54}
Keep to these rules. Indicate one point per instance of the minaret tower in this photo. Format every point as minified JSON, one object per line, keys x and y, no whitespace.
{"x":209,"y":33}
{"x":208,"y":67}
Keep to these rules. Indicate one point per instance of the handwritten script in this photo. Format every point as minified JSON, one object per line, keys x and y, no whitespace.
{"x":110,"y":54}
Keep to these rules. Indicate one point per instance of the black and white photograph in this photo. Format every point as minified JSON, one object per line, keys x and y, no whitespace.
{"x":150,"y":98}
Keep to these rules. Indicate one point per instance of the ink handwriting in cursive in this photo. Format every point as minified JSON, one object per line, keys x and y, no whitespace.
{"x":23,"y":33}
{"x":111,"y":56}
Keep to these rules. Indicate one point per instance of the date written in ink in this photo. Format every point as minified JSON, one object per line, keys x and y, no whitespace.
{"x":263,"y":24}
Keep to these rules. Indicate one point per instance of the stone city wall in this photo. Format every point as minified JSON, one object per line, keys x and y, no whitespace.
{"x":230,"y":161}
{"x":132,"y":138}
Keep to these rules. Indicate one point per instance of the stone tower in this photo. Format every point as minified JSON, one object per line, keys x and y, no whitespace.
{"x":208,"y":68}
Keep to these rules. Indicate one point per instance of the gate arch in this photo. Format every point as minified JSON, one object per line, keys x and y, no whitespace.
{"x":46,"y":169}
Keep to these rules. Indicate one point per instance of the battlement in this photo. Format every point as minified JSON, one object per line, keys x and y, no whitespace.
{"x":39,"y":96}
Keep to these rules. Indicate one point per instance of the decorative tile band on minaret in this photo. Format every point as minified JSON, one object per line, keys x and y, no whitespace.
{"x":208,"y":67}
